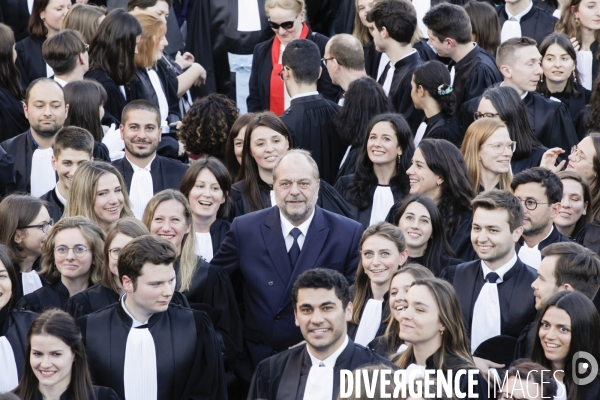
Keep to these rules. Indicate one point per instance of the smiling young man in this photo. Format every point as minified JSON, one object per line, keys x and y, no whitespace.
{"x":72,"y":147}
{"x":321,"y":299}
{"x":134,"y":345}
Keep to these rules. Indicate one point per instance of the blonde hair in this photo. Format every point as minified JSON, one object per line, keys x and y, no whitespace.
{"x":360,"y":31}
{"x":84,"y":18}
{"x":94,"y":238}
{"x":82,"y":194}
{"x":153,"y":29}
{"x":477,"y":133}
{"x":295,"y":5}
{"x":188,"y":258}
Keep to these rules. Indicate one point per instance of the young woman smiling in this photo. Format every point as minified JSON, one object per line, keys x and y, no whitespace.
{"x":572,"y":215}
{"x":71,"y":262}
{"x":383,"y":252}
{"x":235,"y":145}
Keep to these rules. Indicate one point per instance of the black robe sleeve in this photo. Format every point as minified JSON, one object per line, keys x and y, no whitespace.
{"x":30,"y":61}
{"x":12,"y":116}
{"x":461,"y":241}
{"x":101,"y":152}
{"x":480,"y":79}
{"x":330,"y":200}
{"x":115,"y":99}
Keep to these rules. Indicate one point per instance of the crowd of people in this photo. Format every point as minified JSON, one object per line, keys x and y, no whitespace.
{"x":242,"y":199}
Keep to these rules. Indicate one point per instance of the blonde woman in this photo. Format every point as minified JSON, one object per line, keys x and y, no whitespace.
{"x":71,"y":262}
{"x":98,"y":192}
{"x":84,"y":18}
{"x":206,"y":287}
{"x":488,"y":150}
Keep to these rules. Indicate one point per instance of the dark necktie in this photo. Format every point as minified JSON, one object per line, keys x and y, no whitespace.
{"x":384,"y":74}
{"x":492,"y":277}
{"x":294,"y":252}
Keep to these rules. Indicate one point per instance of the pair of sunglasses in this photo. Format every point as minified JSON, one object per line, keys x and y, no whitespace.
{"x":287,"y":25}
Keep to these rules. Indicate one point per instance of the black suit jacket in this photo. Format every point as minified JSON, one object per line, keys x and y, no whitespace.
{"x":54,"y":205}
{"x":14,"y":325}
{"x":536,"y":24}
{"x":166,"y":173}
{"x":517,"y":304}
{"x":554,"y":237}
{"x":400,"y":90}
{"x":30,"y":61}
{"x":260,"y":77}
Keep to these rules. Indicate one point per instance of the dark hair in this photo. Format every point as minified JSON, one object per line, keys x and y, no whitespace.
{"x":62,"y":326}
{"x":322,"y":278}
{"x":142,"y":250}
{"x":549,"y":180}
{"x":585,"y":324}
{"x":449,"y":21}
{"x":113,"y":47}
{"x":85,"y":98}
{"x":565,"y":43}
{"x":587,"y":197}
{"x":576,"y":265}
{"x":592,"y":119}
{"x":303,"y":57}
{"x":398,"y":17}
{"x":205,"y":126}
{"x":9,"y":73}
{"x":12,"y":274}
{"x":140,"y":105}
{"x":17,"y":211}
{"x":85,"y":19}
{"x":507,"y":50}
{"x":365,"y":180}
{"x":529,"y":370}
{"x":437,"y":245}
{"x":363,"y":100}
{"x":233,"y":166}
{"x":75,"y":138}
{"x":37,"y":82}
{"x":431,"y":75}
{"x":484,"y":25}
{"x":249,"y":171}
{"x":35,"y":25}
{"x":143,"y":4}
{"x":595,"y":184}
{"x":348,"y":51}
{"x":501,"y":200}
{"x":221,"y":174}
{"x":446,"y":161}
{"x":513,"y":113}
{"x":61,"y":51}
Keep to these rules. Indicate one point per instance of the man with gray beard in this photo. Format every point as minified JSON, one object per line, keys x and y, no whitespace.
{"x":265,"y":251}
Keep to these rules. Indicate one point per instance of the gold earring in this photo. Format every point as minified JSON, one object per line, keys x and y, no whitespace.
{"x":577,"y":22}
{"x":442,"y":333}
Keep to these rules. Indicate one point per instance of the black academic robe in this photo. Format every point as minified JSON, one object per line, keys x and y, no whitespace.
{"x":98,"y":296}
{"x":16,"y":15}
{"x":363,"y":215}
{"x":100,"y":393}
{"x":575,"y":103}
{"x":54,"y":206}
{"x":536,"y":24}
{"x":517,"y":304}
{"x":284,"y":375}
{"x":473,"y":74}
{"x":349,"y":165}
{"x":382,"y":345}
{"x":166,"y":172}
{"x":7,"y":173}
{"x":12,"y":116}
{"x":439,"y":127}
{"x":460,"y":242}
{"x":385,"y":313}
{"x":14,"y":325}
{"x":46,"y":297}
{"x":548,"y":6}
{"x":589,"y":236}
{"x":555,"y":237}
{"x":186,"y":369}
{"x":310,"y":120}
{"x":30,"y":61}
{"x":533,"y":160}
{"x":400,"y":90}
{"x":329,"y":199}
{"x":526,"y":340}
{"x":373,"y":57}
{"x":591,"y":391}
{"x":218,"y":230}
{"x":116,"y":100}
{"x":445,"y":262}
{"x":260,"y":77}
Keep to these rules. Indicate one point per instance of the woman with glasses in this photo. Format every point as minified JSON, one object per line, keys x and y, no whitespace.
{"x":25,"y":223}
{"x":267,"y":90}
{"x":488,"y":150}
{"x":71,"y":262}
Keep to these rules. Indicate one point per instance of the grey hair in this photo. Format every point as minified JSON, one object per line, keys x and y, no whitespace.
{"x":304,"y":153}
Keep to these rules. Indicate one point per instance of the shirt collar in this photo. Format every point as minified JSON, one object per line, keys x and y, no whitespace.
{"x":146,"y":168}
{"x":500,"y":271}
{"x":60,"y":81}
{"x":329,"y":361}
{"x":287,"y":226}
{"x":315,"y":93}
{"x":522,"y":96}
{"x":135,"y":323}
{"x":395,"y":65}
{"x":521,"y":15}
{"x":537,"y":245}
{"x":59,"y":196}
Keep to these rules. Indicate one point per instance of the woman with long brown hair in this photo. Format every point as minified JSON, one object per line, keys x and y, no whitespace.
{"x":11,"y":95}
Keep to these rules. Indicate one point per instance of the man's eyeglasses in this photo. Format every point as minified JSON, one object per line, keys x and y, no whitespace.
{"x":578,"y":155}
{"x":78,"y":250}
{"x":324,"y":61}
{"x":499,"y":147}
{"x":531,"y":204}
{"x":287,"y":25}
{"x":44,"y":226}
{"x":479,"y":115}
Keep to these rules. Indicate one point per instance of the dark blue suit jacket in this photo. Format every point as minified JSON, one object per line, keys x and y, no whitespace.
{"x":254,"y":255}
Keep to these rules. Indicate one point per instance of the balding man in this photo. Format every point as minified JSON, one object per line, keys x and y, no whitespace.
{"x":345,"y":60}
{"x":265,"y":251}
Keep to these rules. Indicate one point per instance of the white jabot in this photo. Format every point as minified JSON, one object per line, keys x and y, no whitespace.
{"x":319,"y":384}
{"x":272,"y":197}
{"x":60,"y":196}
{"x":383,"y":200}
{"x":486,"y":321}
{"x":30,"y":6}
{"x":452,"y":73}
{"x":142,"y":189}
{"x":345,"y":155}
{"x":31,"y":282}
{"x":286,"y":228}
{"x":561,"y":391}
{"x":43,"y":177}
{"x":163,"y":104}
{"x":9,"y":379}
{"x":122,"y":89}
{"x":382,"y":63}
{"x":510,"y":29}
{"x":556,"y":14}
{"x":114,"y":143}
{"x":341,"y":102}
{"x":584,"y":68}
{"x":420,"y":133}
{"x":248,"y":16}
{"x":369,"y":322}
{"x":532,"y":255}
{"x":402,"y":348}
{"x":387,"y":84}
{"x":421,"y":7}
{"x":204,"y":245}
{"x":49,"y":71}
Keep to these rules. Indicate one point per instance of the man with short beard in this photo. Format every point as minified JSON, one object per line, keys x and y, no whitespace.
{"x":144,"y":171}
{"x":46,"y":111}
{"x":265,"y":251}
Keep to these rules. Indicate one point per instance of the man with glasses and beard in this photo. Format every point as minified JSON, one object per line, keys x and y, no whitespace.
{"x":144,"y":171}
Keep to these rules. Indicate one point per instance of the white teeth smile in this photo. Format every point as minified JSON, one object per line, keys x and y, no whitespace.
{"x":271,"y":158}
{"x":377,"y":271}
{"x":205,"y":203}
{"x":320,"y":330}
{"x":414,"y":235}
{"x":112,"y":209}
{"x":552,"y":345}
{"x":47,"y":373}
{"x":413,"y":180}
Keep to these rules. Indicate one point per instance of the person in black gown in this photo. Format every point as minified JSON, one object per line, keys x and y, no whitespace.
{"x":235,"y":144}
{"x":55,"y":343}
{"x":380,"y":180}
{"x":485,"y":26}
{"x":206,"y":185}
{"x":532,"y":21}
{"x":71,"y":262}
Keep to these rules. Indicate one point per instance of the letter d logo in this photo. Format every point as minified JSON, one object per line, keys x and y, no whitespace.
{"x":590,"y":365}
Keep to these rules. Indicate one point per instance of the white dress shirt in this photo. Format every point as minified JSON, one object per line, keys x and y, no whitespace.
{"x":287,"y":226}
{"x":532,"y":255}
{"x":142,"y":188}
